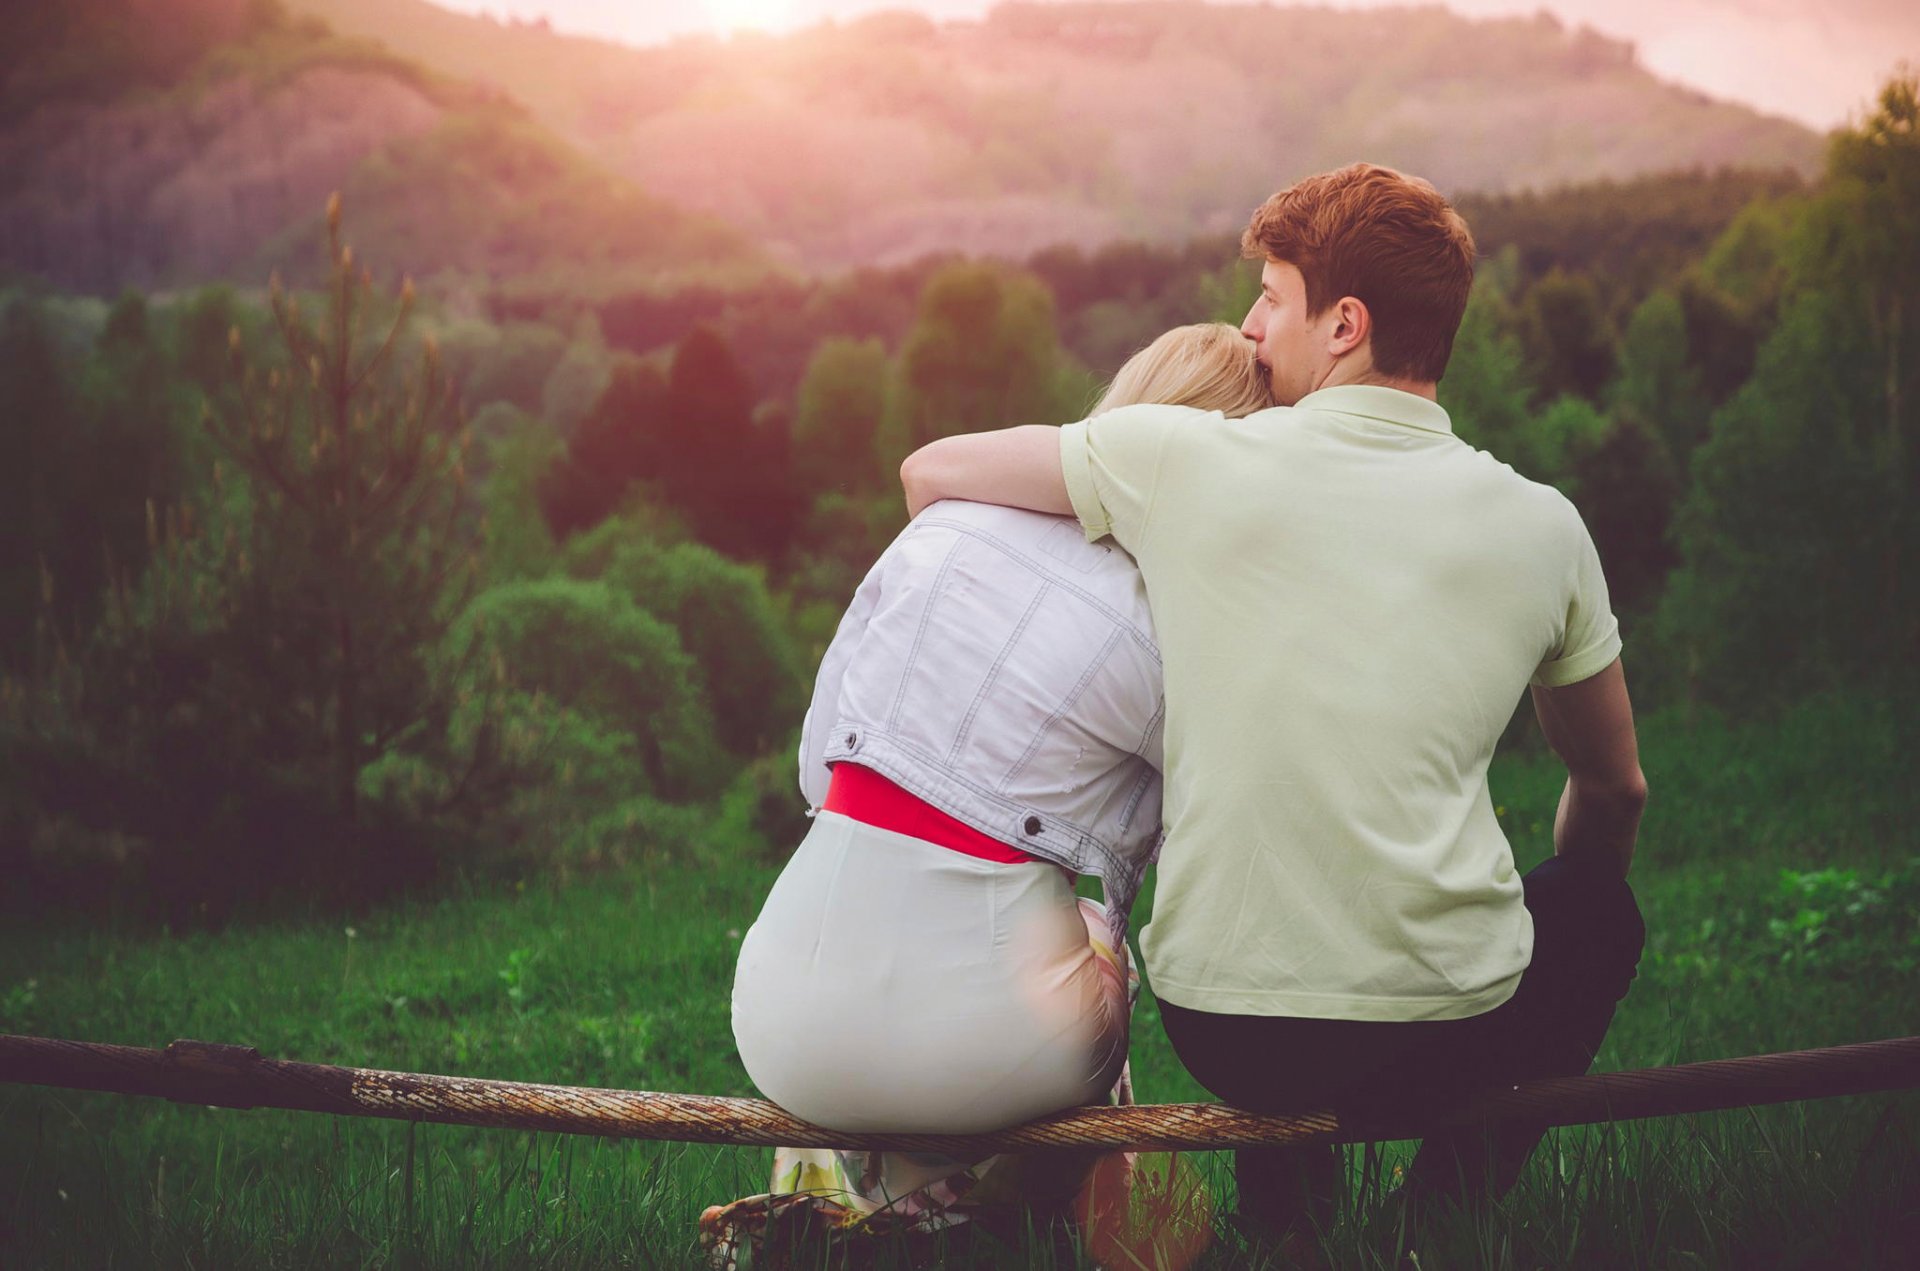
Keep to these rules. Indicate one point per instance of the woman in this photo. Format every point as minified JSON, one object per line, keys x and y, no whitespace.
{"x":985,"y":724}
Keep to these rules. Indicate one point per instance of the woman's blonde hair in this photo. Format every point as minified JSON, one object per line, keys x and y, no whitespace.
{"x":1208,"y":366}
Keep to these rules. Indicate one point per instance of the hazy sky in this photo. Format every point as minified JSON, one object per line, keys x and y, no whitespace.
{"x":1818,"y":61}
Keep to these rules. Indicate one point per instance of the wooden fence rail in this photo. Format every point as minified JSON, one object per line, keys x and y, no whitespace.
{"x":239,"y":1077}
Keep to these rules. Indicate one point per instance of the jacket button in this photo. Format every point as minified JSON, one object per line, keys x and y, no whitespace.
{"x":853,"y":739}
{"x":1032,"y":826}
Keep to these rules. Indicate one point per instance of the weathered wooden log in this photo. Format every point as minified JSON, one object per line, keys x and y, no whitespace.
{"x":239,"y":1077}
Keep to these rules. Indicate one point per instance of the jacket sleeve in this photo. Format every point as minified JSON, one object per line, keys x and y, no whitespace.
{"x":824,"y":707}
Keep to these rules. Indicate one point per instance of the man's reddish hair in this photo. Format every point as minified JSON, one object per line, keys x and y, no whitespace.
{"x":1391,"y":242}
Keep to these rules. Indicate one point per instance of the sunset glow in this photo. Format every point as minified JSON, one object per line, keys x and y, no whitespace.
{"x":1796,"y":58}
{"x":750,"y":15}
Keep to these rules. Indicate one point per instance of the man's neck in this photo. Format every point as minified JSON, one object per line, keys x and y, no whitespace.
{"x":1342,"y":374}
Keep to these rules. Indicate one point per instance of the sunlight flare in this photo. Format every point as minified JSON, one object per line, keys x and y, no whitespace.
{"x":750,"y":15}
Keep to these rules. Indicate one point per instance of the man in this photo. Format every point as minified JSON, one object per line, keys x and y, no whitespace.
{"x":1350,"y":602}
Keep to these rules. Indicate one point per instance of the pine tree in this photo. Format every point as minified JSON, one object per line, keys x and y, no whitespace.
{"x":353,"y":563}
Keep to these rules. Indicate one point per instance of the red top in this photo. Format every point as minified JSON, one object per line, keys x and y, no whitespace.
{"x":869,"y":798}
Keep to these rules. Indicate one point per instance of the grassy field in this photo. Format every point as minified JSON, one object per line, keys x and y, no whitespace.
{"x":1777,"y":870}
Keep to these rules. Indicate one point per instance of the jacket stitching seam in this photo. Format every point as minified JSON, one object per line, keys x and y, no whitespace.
{"x":920,"y":635}
{"x":1014,"y":553}
{"x":993,"y":672}
{"x":1039,"y":734}
{"x":1134,"y":796}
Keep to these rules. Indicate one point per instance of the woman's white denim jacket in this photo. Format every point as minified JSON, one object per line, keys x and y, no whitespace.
{"x":1004,"y":669}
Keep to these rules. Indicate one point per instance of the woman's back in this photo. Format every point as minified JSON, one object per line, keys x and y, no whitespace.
{"x":1000,"y":667}
{"x":995,"y":684}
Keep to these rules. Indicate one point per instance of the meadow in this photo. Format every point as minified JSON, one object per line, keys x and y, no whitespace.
{"x":1778,"y":869}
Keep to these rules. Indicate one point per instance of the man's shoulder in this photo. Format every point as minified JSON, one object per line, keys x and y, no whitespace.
{"x":1534,"y":518}
{"x":1130,"y":424}
{"x":1496,"y":474}
{"x":1149,"y":413}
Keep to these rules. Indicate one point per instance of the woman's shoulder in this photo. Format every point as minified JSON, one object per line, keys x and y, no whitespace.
{"x":991,"y":516}
{"x":1035,"y":543}
{"x":1039,"y":538}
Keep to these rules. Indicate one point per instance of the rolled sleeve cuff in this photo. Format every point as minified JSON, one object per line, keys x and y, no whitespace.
{"x":1583,"y":665}
{"x":1076,"y":465}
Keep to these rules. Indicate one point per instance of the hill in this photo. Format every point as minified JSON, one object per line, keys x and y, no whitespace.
{"x":150,"y":145}
{"x":881,"y":139}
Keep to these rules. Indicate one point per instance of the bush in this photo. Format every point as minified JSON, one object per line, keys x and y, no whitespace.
{"x":607,"y":688}
{"x":748,"y":663}
{"x":1843,"y":922}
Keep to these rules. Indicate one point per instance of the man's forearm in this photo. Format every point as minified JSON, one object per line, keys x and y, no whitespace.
{"x":1589,"y":724}
{"x":1016,"y":467}
{"x":1599,"y":824}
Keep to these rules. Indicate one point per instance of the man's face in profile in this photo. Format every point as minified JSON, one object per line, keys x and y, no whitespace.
{"x":1289,"y":345}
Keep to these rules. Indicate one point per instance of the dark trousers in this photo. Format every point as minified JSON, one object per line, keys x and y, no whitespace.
{"x":1587,"y":937}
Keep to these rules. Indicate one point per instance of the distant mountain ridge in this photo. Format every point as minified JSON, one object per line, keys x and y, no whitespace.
{"x":881,"y":139}
{"x":127,"y":159}
{"x":155,"y":143}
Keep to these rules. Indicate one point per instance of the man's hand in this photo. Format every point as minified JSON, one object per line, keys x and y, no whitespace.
{"x":1015,"y":467}
{"x":1590,"y":726}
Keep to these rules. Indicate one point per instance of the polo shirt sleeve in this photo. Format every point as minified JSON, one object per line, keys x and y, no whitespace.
{"x":1113,"y":464}
{"x":1590,"y":638}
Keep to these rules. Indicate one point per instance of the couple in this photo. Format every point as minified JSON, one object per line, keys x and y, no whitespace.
{"x":1296,"y":594}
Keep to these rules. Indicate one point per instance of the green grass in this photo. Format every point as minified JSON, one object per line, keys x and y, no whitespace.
{"x":621,"y":980}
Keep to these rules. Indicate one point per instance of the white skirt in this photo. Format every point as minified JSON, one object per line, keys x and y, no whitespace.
{"x":895,"y":985}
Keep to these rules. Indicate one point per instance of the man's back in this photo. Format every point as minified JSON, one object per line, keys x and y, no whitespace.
{"x":1350,"y":603}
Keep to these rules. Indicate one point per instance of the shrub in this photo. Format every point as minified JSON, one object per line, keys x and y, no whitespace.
{"x":607,"y":688}
{"x":727,"y":619}
{"x":1845,"y":922}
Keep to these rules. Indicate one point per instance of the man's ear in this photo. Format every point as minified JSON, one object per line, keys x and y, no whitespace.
{"x":1352,"y":326}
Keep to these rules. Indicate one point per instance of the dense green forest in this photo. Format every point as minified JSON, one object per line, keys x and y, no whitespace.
{"x":348,"y":575}
{"x":528,"y":565}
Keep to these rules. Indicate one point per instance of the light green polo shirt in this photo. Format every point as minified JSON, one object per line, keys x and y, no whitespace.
{"x":1350,"y":602}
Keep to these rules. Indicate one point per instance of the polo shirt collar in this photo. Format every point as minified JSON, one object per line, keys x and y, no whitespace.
{"x":1375,"y":401}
